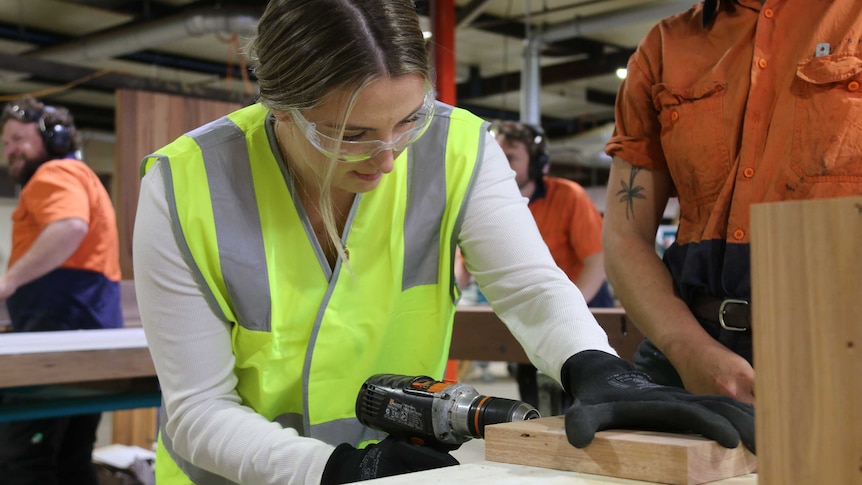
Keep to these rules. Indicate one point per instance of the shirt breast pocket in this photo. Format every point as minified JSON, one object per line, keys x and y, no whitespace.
{"x":693,"y":138}
{"x":827,"y":124}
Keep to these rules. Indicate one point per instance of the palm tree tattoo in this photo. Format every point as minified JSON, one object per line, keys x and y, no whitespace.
{"x":630,"y":192}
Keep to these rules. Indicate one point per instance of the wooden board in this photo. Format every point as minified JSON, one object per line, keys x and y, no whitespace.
{"x":807,"y":328}
{"x":640,"y":455}
{"x":63,"y":357}
{"x":71,"y":367}
{"x":479,"y":334}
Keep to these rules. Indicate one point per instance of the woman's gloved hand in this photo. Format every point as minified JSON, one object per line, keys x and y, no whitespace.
{"x":610,"y":394}
{"x":389,"y":457}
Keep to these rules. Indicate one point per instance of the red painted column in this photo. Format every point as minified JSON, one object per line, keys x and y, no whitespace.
{"x":443,"y":54}
{"x":443,"y":40}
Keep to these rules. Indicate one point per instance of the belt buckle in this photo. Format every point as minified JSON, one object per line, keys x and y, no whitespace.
{"x":721,"y":310}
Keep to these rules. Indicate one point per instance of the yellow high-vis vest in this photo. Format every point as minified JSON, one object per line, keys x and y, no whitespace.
{"x":306,"y":336}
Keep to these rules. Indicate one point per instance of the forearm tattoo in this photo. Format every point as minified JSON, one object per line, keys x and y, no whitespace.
{"x":630,"y":192}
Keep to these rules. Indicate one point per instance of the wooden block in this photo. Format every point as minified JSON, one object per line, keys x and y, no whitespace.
{"x":806,"y":285}
{"x":639,"y":455}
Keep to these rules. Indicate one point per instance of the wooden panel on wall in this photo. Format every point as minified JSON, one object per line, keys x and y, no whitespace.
{"x":145,"y":122}
{"x":806,"y":284}
{"x":135,"y":427}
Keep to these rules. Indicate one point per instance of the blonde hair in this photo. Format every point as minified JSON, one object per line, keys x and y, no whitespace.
{"x":304,"y":50}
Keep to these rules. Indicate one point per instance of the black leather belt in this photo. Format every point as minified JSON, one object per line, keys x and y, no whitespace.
{"x":731,"y":313}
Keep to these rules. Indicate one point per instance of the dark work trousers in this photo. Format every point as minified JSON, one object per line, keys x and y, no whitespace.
{"x":54,"y":451}
{"x":651,"y":361}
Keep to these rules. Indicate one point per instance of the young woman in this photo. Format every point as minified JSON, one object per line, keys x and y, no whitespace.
{"x":290,"y":250}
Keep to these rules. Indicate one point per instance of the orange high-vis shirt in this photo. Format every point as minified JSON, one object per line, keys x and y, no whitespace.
{"x":63,"y":189}
{"x":570,"y":224}
{"x":763,"y":105}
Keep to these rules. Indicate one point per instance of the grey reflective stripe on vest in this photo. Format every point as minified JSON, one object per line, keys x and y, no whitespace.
{"x":237,"y":222}
{"x":426,"y":203}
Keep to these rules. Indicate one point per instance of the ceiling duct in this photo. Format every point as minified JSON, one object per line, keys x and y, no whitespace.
{"x":142,"y":36}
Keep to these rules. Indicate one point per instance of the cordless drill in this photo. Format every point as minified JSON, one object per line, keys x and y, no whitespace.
{"x":440,"y":414}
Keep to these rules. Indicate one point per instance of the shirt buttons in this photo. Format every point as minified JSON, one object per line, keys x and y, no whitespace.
{"x":674,"y":115}
{"x":762,"y":63}
{"x":748,"y":172}
{"x":768,"y":13}
{"x":853,"y":86}
{"x":738,"y":234}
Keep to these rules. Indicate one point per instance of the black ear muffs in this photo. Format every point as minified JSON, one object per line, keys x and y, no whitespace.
{"x":57,"y":137}
{"x":539,"y":158}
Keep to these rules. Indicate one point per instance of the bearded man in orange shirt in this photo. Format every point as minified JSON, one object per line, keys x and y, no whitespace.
{"x":728,"y":104}
{"x":63,"y":274}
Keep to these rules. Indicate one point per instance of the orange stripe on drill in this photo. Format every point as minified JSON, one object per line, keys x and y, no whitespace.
{"x":437,"y":387}
{"x":476,"y":416}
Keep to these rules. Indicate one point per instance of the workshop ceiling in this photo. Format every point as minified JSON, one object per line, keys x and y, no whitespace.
{"x":77,"y":52}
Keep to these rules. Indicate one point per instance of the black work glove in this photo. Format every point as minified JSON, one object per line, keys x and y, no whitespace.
{"x":610,"y":394}
{"x":389,"y":457}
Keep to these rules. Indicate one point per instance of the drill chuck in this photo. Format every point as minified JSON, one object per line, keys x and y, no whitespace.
{"x":430,"y":412}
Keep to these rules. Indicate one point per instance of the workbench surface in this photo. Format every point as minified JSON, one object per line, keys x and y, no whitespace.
{"x":493,"y":473}
{"x":64,"y":357}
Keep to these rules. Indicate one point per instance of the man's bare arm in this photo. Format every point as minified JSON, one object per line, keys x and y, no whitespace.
{"x":54,"y":245}
{"x":635,"y":204}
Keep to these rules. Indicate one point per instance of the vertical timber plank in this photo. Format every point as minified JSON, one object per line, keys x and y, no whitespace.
{"x":145,"y":122}
{"x":807,"y":329}
{"x":135,"y":427}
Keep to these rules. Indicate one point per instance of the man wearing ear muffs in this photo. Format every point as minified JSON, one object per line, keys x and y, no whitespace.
{"x":568,"y":220}
{"x":63,"y":274}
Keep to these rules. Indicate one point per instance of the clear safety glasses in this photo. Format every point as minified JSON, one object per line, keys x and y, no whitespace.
{"x":404,"y":134}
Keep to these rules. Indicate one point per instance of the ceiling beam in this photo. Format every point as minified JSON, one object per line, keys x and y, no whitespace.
{"x":553,"y":74}
{"x":112,"y":80}
{"x":467,"y":14}
{"x":598,"y":96}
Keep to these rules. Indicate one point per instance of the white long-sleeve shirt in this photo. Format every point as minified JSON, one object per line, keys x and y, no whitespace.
{"x":191,"y":346}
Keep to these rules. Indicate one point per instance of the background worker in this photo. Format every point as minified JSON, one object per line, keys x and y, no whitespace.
{"x":567,"y":219}
{"x":63,"y":274}
{"x":728,"y":104}
{"x":309,"y":246}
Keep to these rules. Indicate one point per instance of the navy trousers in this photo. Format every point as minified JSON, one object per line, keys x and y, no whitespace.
{"x":54,"y":451}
